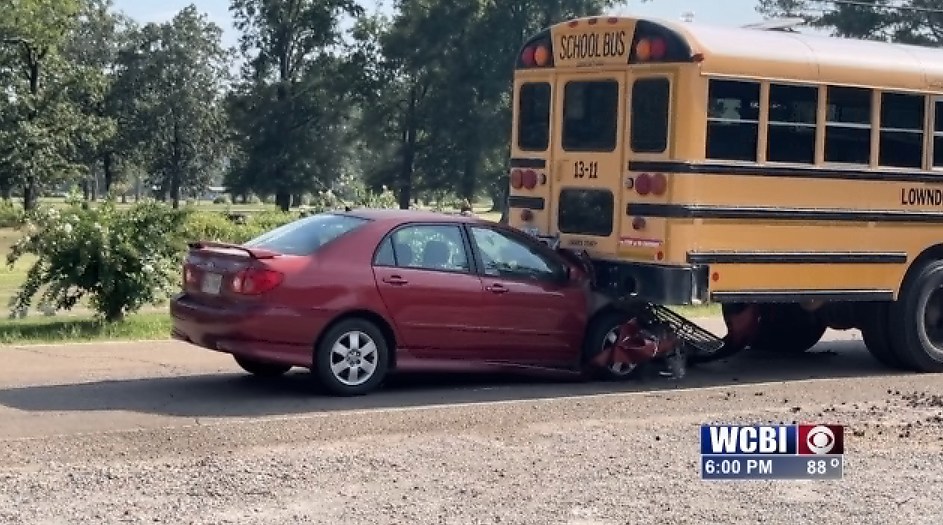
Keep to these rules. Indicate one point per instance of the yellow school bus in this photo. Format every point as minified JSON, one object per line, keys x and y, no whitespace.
{"x":796,"y":176}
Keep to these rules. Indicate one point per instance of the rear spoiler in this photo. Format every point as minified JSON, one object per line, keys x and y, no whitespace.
{"x":255,"y":253}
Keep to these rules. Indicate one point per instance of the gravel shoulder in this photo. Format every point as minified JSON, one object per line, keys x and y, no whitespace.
{"x":153,"y":450}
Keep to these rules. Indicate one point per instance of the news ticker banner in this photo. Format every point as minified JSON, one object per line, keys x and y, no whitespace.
{"x":768,"y":452}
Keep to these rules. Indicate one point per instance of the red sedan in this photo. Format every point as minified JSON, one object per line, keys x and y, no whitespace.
{"x":355,"y":296}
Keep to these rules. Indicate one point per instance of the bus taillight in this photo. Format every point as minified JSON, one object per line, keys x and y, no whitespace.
{"x":529,"y":179}
{"x":643,"y":184}
{"x":527,"y":215}
{"x":527,"y":57}
{"x":659,"y":184}
{"x":537,"y":55}
{"x":651,"y":49}
{"x":516,"y":179}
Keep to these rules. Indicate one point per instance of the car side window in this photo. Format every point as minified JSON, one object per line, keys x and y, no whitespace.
{"x":384,"y":256}
{"x":431,"y":247}
{"x":505,"y":256}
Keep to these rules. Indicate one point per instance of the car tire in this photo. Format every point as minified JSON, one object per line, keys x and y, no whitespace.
{"x":258,"y":368}
{"x":788,"y":328}
{"x":875,"y":331}
{"x":352,"y":358}
{"x":601,"y":335}
{"x":920,"y":304}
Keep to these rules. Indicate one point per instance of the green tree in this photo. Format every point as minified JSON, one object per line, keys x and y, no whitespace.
{"x":43,"y":127}
{"x":96,"y":42}
{"x":907,"y":21}
{"x":441,"y":89}
{"x":177,"y":72}
{"x":292,"y":104}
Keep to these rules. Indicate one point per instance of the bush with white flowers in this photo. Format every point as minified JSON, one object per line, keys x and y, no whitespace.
{"x":120,"y":259}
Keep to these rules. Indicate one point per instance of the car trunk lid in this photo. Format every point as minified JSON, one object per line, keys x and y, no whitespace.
{"x":219,"y":273}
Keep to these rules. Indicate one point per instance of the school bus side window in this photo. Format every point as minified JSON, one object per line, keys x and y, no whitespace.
{"x":533,"y":129}
{"x":793,"y":112}
{"x":938,"y":133}
{"x":590,"y":115}
{"x":901,"y":130}
{"x":733,"y":120}
{"x":651,"y":104}
{"x":848,"y":129}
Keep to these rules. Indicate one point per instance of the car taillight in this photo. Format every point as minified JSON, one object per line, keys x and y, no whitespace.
{"x":517,"y":179}
{"x":256,"y":281}
{"x":189,"y":276}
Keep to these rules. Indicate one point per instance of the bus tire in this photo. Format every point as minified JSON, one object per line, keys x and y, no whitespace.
{"x":916,"y":319}
{"x":875,"y":331}
{"x":788,"y":328}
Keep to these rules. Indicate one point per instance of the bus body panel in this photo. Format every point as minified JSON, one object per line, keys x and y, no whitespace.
{"x":753,"y":230}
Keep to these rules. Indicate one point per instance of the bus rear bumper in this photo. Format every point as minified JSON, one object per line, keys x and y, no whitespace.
{"x":654,"y":283}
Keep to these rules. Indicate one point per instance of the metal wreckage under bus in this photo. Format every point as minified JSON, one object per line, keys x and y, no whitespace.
{"x":654,"y":334}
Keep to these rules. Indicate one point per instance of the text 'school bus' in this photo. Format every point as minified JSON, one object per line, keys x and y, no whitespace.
{"x":796,"y":176}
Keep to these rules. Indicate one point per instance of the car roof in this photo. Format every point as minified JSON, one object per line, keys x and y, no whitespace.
{"x":396,"y":216}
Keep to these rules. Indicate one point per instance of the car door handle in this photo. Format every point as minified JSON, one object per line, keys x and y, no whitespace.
{"x":395,"y":280}
{"x":497,"y":288}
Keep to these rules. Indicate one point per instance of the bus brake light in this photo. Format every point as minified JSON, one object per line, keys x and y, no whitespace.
{"x":643,"y":184}
{"x":659,"y":47}
{"x":529,"y":179}
{"x":659,"y":184}
{"x":651,"y":49}
{"x":527,"y":57}
{"x":516,"y":179}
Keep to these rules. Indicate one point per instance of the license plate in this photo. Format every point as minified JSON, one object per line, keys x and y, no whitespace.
{"x":212,"y":283}
{"x":532,"y":231}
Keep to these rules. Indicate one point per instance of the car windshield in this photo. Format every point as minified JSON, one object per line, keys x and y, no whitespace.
{"x":305,"y":236}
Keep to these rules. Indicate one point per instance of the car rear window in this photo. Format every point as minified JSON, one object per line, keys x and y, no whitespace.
{"x":305,"y":236}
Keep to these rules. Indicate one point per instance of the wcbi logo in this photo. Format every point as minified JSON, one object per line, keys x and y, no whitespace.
{"x":773,"y":439}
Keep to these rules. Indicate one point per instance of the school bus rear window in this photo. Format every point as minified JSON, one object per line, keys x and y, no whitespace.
{"x":590,"y":115}
{"x":650,"y":106}
{"x":534,"y":116}
{"x":586,"y":211}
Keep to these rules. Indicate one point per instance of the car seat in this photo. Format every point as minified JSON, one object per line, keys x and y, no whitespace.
{"x":436,"y":254}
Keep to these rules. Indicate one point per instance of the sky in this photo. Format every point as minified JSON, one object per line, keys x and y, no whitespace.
{"x":719,"y":12}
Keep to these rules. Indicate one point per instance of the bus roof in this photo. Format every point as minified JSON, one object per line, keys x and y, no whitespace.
{"x":782,"y":55}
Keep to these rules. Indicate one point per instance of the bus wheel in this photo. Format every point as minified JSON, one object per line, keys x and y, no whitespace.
{"x":787,"y":328}
{"x":875,"y":331}
{"x":917,"y":319}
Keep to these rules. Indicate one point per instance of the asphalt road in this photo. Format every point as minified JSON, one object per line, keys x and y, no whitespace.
{"x":165,"y":432}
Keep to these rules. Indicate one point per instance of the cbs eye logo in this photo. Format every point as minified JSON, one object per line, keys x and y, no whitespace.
{"x":820,"y":440}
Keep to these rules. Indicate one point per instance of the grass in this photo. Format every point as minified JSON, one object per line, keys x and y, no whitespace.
{"x":693,"y":312}
{"x":84,"y":329}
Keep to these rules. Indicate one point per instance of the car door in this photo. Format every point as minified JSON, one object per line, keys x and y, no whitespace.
{"x":531,"y":311}
{"x":425,"y":276}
